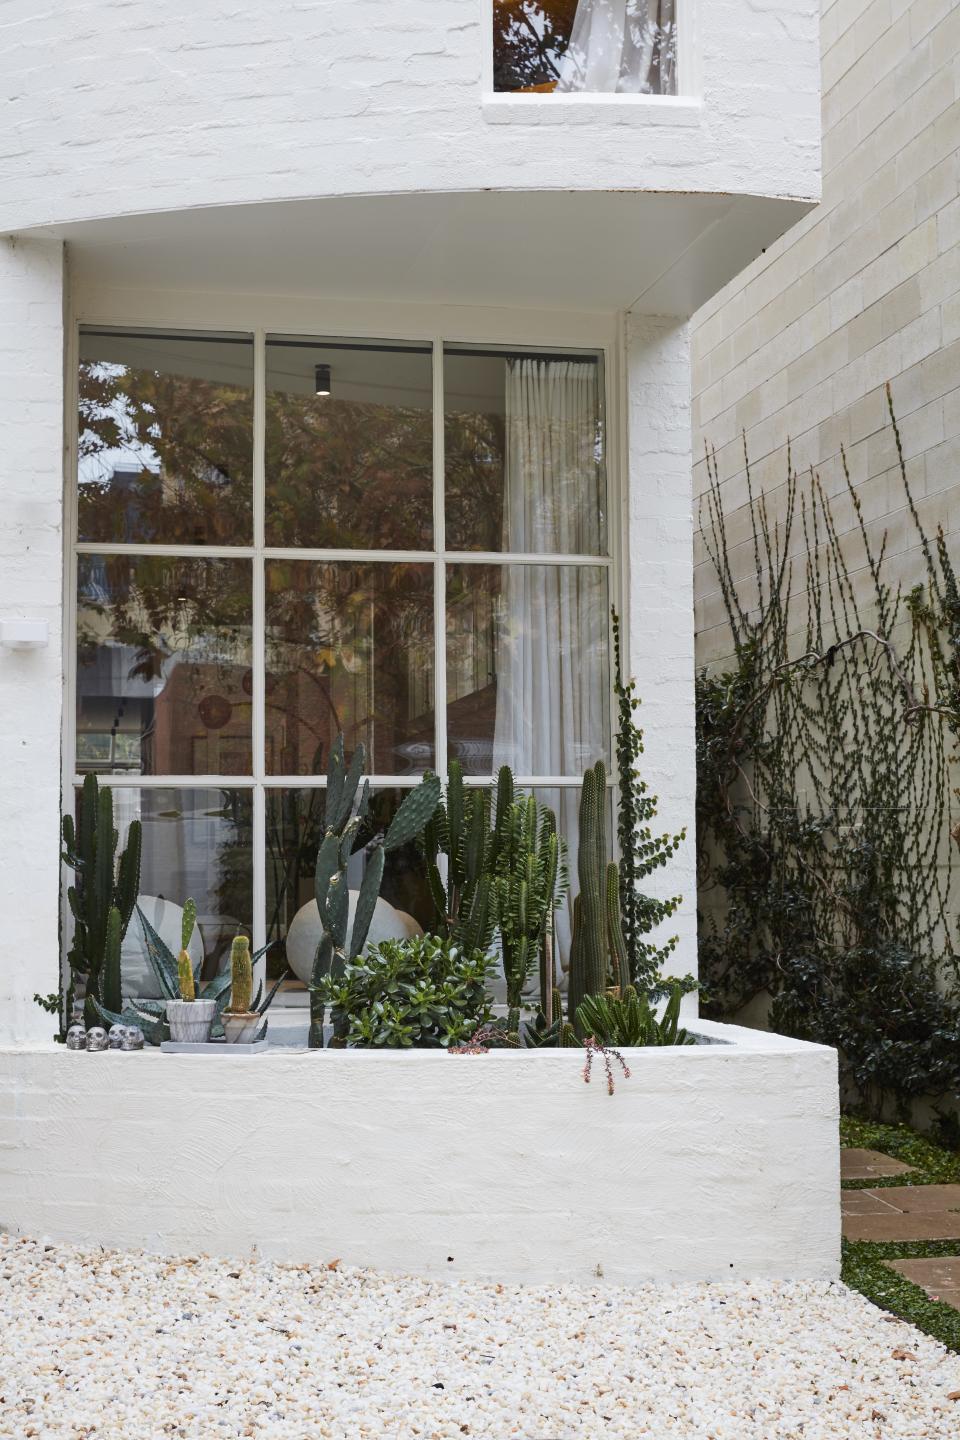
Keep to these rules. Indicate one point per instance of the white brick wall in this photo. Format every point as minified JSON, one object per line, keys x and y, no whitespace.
{"x":31,"y":686}
{"x":865,"y":289}
{"x":661,"y":595}
{"x":125,"y":106}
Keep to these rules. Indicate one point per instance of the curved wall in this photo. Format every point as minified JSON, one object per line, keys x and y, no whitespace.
{"x":123,"y":106}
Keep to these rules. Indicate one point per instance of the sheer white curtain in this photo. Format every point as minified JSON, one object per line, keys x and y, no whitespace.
{"x":552,"y":706}
{"x":620,"y":45}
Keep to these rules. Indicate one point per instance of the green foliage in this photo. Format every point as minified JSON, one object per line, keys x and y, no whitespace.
{"x":529,"y":882}
{"x":823,"y":794}
{"x":102,"y":900}
{"x":461,"y":831}
{"x":241,"y":976}
{"x":864,"y":1269}
{"x":641,"y":851}
{"x":598,"y":955}
{"x":188,"y":923}
{"x":932,"y":1164}
{"x":347,"y":807}
{"x":630,"y":1019}
{"x":425,"y":992}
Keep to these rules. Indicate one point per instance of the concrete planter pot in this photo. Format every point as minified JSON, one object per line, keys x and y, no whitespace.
{"x":190,"y":1021}
{"x":241,"y":1029}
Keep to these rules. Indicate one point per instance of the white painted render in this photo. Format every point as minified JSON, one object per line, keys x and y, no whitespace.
{"x":467,"y":1167}
{"x":117,"y":107}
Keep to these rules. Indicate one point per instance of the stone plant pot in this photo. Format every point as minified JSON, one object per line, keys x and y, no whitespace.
{"x":190,"y":1020}
{"x":241,"y":1029}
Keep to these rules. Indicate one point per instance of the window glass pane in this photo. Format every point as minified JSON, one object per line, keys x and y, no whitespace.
{"x":166,"y":438}
{"x":196,"y":845}
{"x":524,"y":453}
{"x":527,"y":667}
{"x":164,"y":659}
{"x":349,"y":450}
{"x":294,"y":831}
{"x":349,"y":647}
{"x":606,"y":46}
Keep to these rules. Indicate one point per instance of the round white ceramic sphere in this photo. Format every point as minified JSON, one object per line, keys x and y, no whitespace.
{"x":167,"y":919}
{"x":303,"y":937}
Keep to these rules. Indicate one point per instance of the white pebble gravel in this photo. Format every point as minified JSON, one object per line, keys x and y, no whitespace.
{"x":110,"y":1345}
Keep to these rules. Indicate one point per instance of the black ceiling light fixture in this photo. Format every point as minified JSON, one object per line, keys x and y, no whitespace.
{"x":321,"y":379}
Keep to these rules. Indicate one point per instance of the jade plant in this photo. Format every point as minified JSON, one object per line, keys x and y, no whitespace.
{"x":425,"y":992}
{"x":347,"y":808}
{"x":101,"y":901}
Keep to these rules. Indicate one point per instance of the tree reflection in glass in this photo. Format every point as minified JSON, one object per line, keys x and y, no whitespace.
{"x":164,"y":665}
{"x":165,"y":449}
{"x":350,"y":648}
{"x":591,"y":46}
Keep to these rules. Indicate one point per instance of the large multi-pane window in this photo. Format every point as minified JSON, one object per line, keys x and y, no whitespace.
{"x":285,"y":540}
{"x":585,"y":46}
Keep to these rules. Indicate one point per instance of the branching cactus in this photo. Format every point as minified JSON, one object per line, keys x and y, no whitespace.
{"x":188,"y":990}
{"x":347,"y":807}
{"x":241,"y":977}
{"x":460,"y":830}
{"x":530,"y":884}
{"x":598,"y":956}
{"x":103,"y":898}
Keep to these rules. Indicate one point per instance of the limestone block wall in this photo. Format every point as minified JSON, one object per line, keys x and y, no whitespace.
{"x":865,"y":289}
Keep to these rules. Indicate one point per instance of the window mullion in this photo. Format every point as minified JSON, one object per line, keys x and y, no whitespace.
{"x":440,"y":569}
{"x":258,"y":715}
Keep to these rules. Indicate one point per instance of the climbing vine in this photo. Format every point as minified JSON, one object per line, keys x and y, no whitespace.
{"x":824,"y":784}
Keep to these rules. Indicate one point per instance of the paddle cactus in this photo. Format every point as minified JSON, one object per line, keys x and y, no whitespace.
{"x":347,"y":807}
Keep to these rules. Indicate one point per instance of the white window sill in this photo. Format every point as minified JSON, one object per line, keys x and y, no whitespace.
{"x":589,"y":109}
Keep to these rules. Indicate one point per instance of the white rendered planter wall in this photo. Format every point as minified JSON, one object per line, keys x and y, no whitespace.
{"x":710,"y":1162}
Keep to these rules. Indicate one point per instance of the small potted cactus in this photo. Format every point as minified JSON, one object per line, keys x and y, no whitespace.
{"x":241,"y":1019}
{"x":191,"y":1017}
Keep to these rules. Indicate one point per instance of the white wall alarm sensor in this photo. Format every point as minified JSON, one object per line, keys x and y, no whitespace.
{"x":24,"y":634}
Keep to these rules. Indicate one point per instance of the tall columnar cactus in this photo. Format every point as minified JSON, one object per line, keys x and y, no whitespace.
{"x":241,"y":976}
{"x":188,"y":989}
{"x":530,"y":882}
{"x":344,"y":815}
{"x":103,"y":898}
{"x":598,"y":958}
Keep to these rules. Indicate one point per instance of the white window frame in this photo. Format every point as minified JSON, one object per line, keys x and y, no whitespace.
{"x":602,"y":335}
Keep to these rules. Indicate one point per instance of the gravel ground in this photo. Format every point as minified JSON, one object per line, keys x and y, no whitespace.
{"x":126,"y":1346}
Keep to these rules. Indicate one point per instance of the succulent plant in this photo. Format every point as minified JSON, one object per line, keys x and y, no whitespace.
{"x":347,"y":806}
{"x":629,"y":1019}
{"x":188,"y":989}
{"x":598,"y":957}
{"x":241,"y":977}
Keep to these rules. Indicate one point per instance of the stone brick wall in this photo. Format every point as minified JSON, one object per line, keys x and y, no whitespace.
{"x":865,"y":289}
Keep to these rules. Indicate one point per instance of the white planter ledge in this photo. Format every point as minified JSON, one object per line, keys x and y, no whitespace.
{"x":711,"y":1162}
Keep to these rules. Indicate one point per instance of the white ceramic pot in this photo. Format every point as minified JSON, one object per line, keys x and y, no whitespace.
{"x":190,"y":1020}
{"x":303,"y":936}
{"x":241,"y":1029}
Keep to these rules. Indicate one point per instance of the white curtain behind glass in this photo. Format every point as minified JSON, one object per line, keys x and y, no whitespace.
{"x":551,"y":716}
{"x":625,"y":46}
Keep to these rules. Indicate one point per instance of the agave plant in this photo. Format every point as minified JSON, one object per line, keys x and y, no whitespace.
{"x":150,"y":1015}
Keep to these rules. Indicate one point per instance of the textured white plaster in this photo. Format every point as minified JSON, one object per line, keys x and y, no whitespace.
{"x":121,"y":106}
{"x":31,"y":586}
{"x":714,"y":1162}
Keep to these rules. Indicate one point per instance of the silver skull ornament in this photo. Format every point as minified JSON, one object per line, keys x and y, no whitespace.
{"x":132,"y":1038}
{"x":115,"y":1036}
{"x":76,"y":1038}
{"x":97,"y":1038}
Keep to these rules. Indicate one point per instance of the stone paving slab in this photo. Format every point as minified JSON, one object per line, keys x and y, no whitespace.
{"x":866,"y":1202}
{"x":869,"y":1165}
{"x":896,"y":1225}
{"x":918,"y":1199}
{"x":938,"y":1275}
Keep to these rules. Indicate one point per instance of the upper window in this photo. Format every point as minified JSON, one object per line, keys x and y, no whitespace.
{"x":585,"y":46}
{"x":405,"y":543}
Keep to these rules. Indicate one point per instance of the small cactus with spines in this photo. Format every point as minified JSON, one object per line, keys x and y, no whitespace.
{"x":188,"y":989}
{"x":241,"y":977}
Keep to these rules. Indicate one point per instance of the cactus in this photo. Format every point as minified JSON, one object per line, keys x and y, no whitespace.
{"x":103,"y":886}
{"x":460,"y":830}
{"x":347,"y":807}
{"x":241,"y":977}
{"x":598,"y":954}
{"x":530,"y":882}
{"x":188,"y":990}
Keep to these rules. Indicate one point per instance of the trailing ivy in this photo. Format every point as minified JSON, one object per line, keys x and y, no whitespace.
{"x":823,"y":791}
